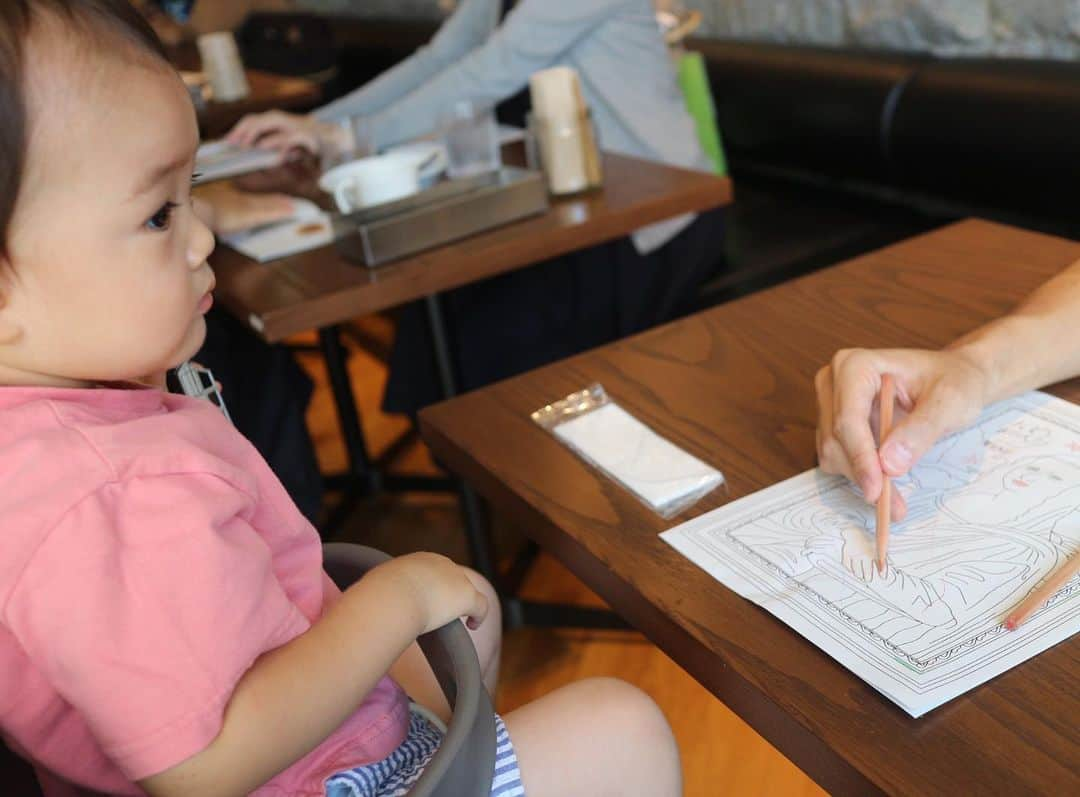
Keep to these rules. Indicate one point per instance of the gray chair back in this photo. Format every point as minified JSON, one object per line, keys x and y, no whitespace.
{"x":464,"y":765}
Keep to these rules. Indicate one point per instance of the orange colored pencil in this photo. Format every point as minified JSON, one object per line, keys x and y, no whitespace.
{"x":1040,"y":596}
{"x":886,"y":400}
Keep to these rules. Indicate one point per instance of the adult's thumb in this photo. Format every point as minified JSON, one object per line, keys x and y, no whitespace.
{"x":910,"y":439}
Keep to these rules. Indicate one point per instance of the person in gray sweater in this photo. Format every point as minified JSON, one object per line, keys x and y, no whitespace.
{"x":485,"y":52}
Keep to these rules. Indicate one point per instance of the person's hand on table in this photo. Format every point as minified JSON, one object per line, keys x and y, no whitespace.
{"x":297,"y":177}
{"x":937,"y":392}
{"x":281,"y":131}
{"x":225,"y":210}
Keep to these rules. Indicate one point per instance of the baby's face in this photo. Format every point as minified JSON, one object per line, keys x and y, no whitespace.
{"x":108,"y":277}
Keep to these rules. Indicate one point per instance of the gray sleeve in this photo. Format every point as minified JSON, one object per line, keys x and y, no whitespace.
{"x":533,"y":37}
{"x":467,"y":28}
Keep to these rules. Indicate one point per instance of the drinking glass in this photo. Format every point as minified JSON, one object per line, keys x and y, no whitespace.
{"x":472,"y":139}
{"x":356,"y":141}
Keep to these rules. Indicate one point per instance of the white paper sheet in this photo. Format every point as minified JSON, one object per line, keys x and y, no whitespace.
{"x":993,"y":511}
{"x":661,"y":473}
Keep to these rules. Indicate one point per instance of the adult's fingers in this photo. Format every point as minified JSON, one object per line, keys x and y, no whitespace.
{"x":267,"y":208}
{"x":897,"y":505}
{"x":831,"y":456}
{"x":248,"y":129}
{"x":937,"y":411}
{"x":255,"y":127}
{"x":285,"y":140}
{"x":856,"y":382}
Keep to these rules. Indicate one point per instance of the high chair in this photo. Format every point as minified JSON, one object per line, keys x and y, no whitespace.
{"x":464,"y":765}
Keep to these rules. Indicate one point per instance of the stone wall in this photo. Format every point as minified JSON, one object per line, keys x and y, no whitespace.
{"x":1034,"y":28}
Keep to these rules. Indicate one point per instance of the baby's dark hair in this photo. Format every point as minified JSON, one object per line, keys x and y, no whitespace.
{"x":103,"y":22}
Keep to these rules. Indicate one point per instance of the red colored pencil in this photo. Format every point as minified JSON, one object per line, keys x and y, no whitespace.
{"x":1040,"y":596}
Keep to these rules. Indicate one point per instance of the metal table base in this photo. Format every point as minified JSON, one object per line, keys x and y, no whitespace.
{"x":365,"y":477}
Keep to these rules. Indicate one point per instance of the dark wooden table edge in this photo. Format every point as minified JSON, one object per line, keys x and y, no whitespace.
{"x":759,"y":711}
{"x":276,"y":326}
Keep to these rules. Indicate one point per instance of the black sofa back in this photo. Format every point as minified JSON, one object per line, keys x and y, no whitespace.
{"x":999,"y":133}
{"x":803,"y":107}
{"x":980,"y":135}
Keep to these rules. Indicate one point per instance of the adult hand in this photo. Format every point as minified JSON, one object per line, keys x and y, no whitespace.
{"x":225,"y":210}
{"x":281,"y":131}
{"x":937,"y":392}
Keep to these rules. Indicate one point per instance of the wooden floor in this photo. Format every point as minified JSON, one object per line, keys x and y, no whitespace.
{"x":721,"y":754}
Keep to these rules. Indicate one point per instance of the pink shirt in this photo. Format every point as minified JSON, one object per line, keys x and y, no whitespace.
{"x":148,"y":556}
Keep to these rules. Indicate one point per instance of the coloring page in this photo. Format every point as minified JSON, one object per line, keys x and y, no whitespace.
{"x":992,"y":512}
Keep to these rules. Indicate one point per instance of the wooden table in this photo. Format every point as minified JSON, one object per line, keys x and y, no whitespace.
{"x":734,"y":386}
{"x":319,"y":288}
{"x":268,"y":91}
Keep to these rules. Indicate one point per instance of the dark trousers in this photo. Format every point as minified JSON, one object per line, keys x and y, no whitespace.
{"x":528,"y":318}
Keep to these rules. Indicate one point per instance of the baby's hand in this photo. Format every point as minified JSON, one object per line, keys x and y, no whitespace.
{"x":441,"y":589}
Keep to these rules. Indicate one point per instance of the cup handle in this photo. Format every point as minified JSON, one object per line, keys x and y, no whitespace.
{"x":341,"y":196}
{"x":436,"y":157}
{"x":441,"y":159}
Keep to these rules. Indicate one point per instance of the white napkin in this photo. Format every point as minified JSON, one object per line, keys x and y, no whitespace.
{"x":309,"y":228}
{"x":659,"y":472}
{"x":218,"y":160}
{"x":556,"y":94}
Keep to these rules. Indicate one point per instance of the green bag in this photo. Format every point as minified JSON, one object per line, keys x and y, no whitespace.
{"x":694,"y":82}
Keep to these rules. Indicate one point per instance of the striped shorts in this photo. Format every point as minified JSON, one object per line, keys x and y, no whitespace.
{"x":395,"y":774}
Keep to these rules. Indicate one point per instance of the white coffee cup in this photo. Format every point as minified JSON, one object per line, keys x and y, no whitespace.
{"x":374,"y":181}
{"x":223,"y":67}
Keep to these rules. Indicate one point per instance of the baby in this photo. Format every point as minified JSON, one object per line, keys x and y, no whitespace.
{"x":166,"y":624}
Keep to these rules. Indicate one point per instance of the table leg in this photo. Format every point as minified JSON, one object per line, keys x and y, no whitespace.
{"x":344,"y":401}
{"x":516,"y":612}
{"x":363,"y":476}
{"x":481,"y":549}
{"x":360,"y":479}
{"x":444,"y":363}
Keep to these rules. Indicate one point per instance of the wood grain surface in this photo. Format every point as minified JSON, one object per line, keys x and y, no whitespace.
{"x":319,"y":288}
{"x":734,"y":386}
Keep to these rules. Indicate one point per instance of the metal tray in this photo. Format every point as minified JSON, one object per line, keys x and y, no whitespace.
{"x":446,"y":212}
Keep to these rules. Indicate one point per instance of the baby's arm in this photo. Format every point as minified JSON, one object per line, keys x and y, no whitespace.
{"x":294,"y":697}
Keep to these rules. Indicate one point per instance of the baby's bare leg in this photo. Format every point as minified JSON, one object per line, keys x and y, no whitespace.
{"x":595,"y":737}
{"x":414,"y":674}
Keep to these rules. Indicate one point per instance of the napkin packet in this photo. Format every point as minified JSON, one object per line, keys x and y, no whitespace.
{"x":659,"y":473}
